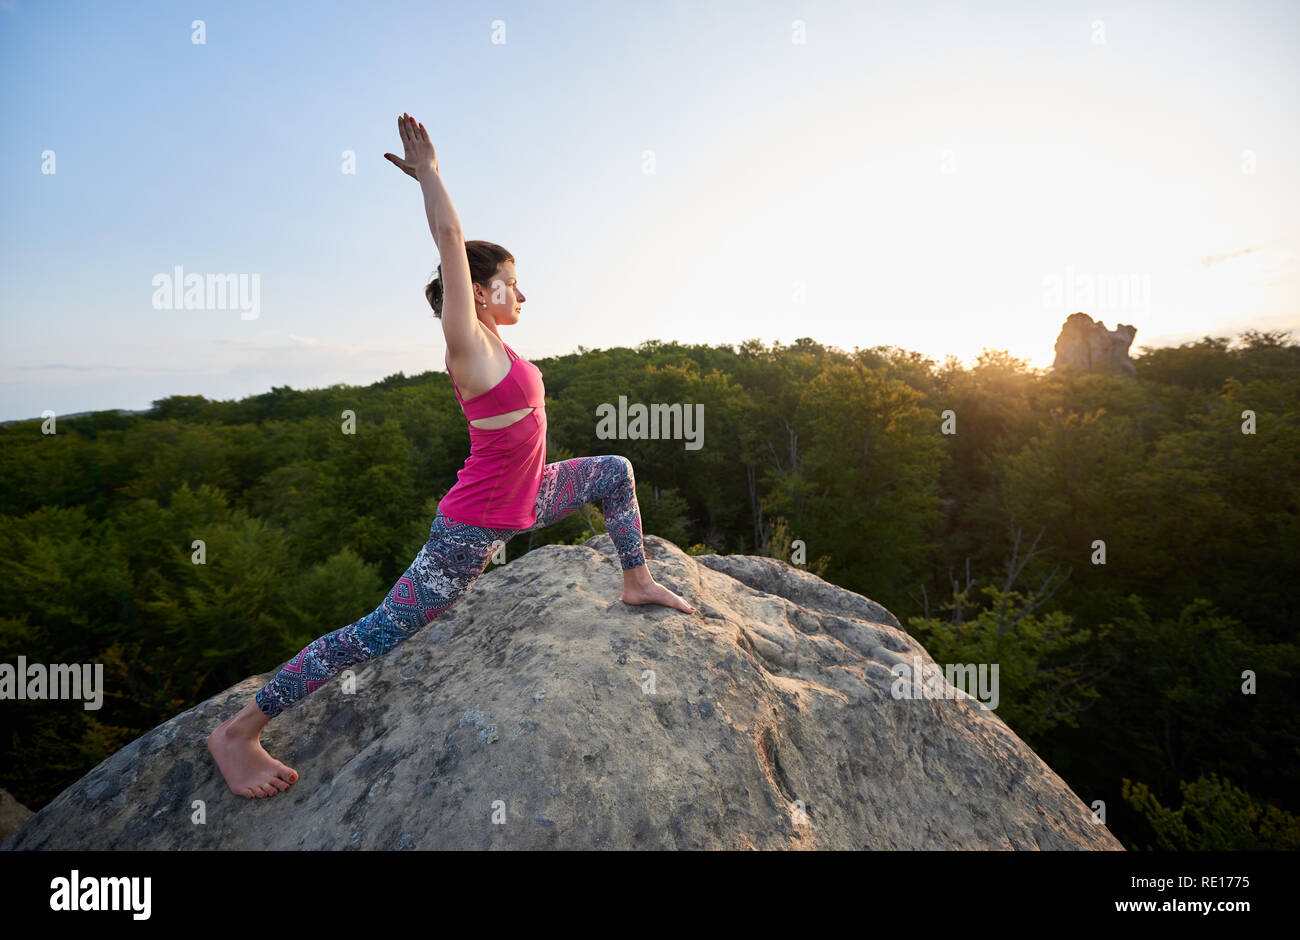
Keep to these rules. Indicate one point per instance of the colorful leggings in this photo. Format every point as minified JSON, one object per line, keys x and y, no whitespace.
{"x":453,"y":558}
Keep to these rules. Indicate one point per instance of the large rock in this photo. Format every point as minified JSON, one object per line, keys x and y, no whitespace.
{"x":770,"y":724}
{"x":1087,"y":345}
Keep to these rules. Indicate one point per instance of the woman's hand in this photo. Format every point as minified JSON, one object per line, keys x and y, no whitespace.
{"x":418,"y":149}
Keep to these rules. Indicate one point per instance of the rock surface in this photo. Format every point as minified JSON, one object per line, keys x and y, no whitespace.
{"x":1087,"y":345}
{"x":542,"y":712}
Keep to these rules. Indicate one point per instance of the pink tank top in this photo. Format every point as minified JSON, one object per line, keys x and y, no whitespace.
{"x":498,"y":485}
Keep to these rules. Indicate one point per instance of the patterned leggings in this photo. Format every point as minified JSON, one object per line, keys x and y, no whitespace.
{"x":453,"y":558}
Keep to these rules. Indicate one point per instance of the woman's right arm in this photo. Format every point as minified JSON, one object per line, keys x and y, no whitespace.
{"x":459,"y":323}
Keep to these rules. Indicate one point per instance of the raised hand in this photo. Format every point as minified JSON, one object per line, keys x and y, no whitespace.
{"x":418,"y":152}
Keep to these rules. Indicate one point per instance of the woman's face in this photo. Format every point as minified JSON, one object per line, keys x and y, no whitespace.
{"x":504,"y":298}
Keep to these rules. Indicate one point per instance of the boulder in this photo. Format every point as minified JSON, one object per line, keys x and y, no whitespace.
{"x":541,"y":712}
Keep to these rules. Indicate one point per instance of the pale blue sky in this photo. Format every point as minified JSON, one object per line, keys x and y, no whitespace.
{"x":938,"y":175}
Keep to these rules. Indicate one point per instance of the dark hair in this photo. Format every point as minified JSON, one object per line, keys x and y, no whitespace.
{"x":484,"y":259}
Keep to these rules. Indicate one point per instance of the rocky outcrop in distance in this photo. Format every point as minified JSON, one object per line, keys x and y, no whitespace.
{"x":1085,"y":344}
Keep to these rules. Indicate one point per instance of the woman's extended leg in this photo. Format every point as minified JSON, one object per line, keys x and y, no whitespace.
{"x":568,"y":484}
{"x":450,"y":561}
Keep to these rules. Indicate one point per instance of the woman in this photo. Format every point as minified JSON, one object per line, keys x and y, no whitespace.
{"x":505,"y":488}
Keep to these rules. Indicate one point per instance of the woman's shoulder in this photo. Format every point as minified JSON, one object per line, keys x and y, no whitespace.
{"x":481,"y":361}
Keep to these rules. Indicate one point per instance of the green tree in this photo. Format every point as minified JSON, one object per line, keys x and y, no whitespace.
{"x":1215,"y":817}
{"x":1046,"y":676}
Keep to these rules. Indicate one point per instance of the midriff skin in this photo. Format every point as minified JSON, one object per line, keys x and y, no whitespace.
{"x":504,"y":420}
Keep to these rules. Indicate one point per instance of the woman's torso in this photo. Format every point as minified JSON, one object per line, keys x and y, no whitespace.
{"x":498,"y":485}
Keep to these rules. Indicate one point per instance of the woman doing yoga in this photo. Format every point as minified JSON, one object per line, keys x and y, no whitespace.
{"x":505,"y":488}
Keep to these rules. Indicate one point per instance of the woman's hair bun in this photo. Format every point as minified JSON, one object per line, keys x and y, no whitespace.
{"x":433,"y":293}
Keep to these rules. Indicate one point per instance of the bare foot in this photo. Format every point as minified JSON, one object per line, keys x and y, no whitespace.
{"x":248,"y":769}
{"x":654,"y":593}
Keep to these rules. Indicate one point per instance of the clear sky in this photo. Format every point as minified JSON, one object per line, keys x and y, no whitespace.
{"x":940,"y":176}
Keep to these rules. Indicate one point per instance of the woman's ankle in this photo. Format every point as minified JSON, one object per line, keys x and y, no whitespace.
{"x":638,"y":576}
{"x":248,"y":722}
